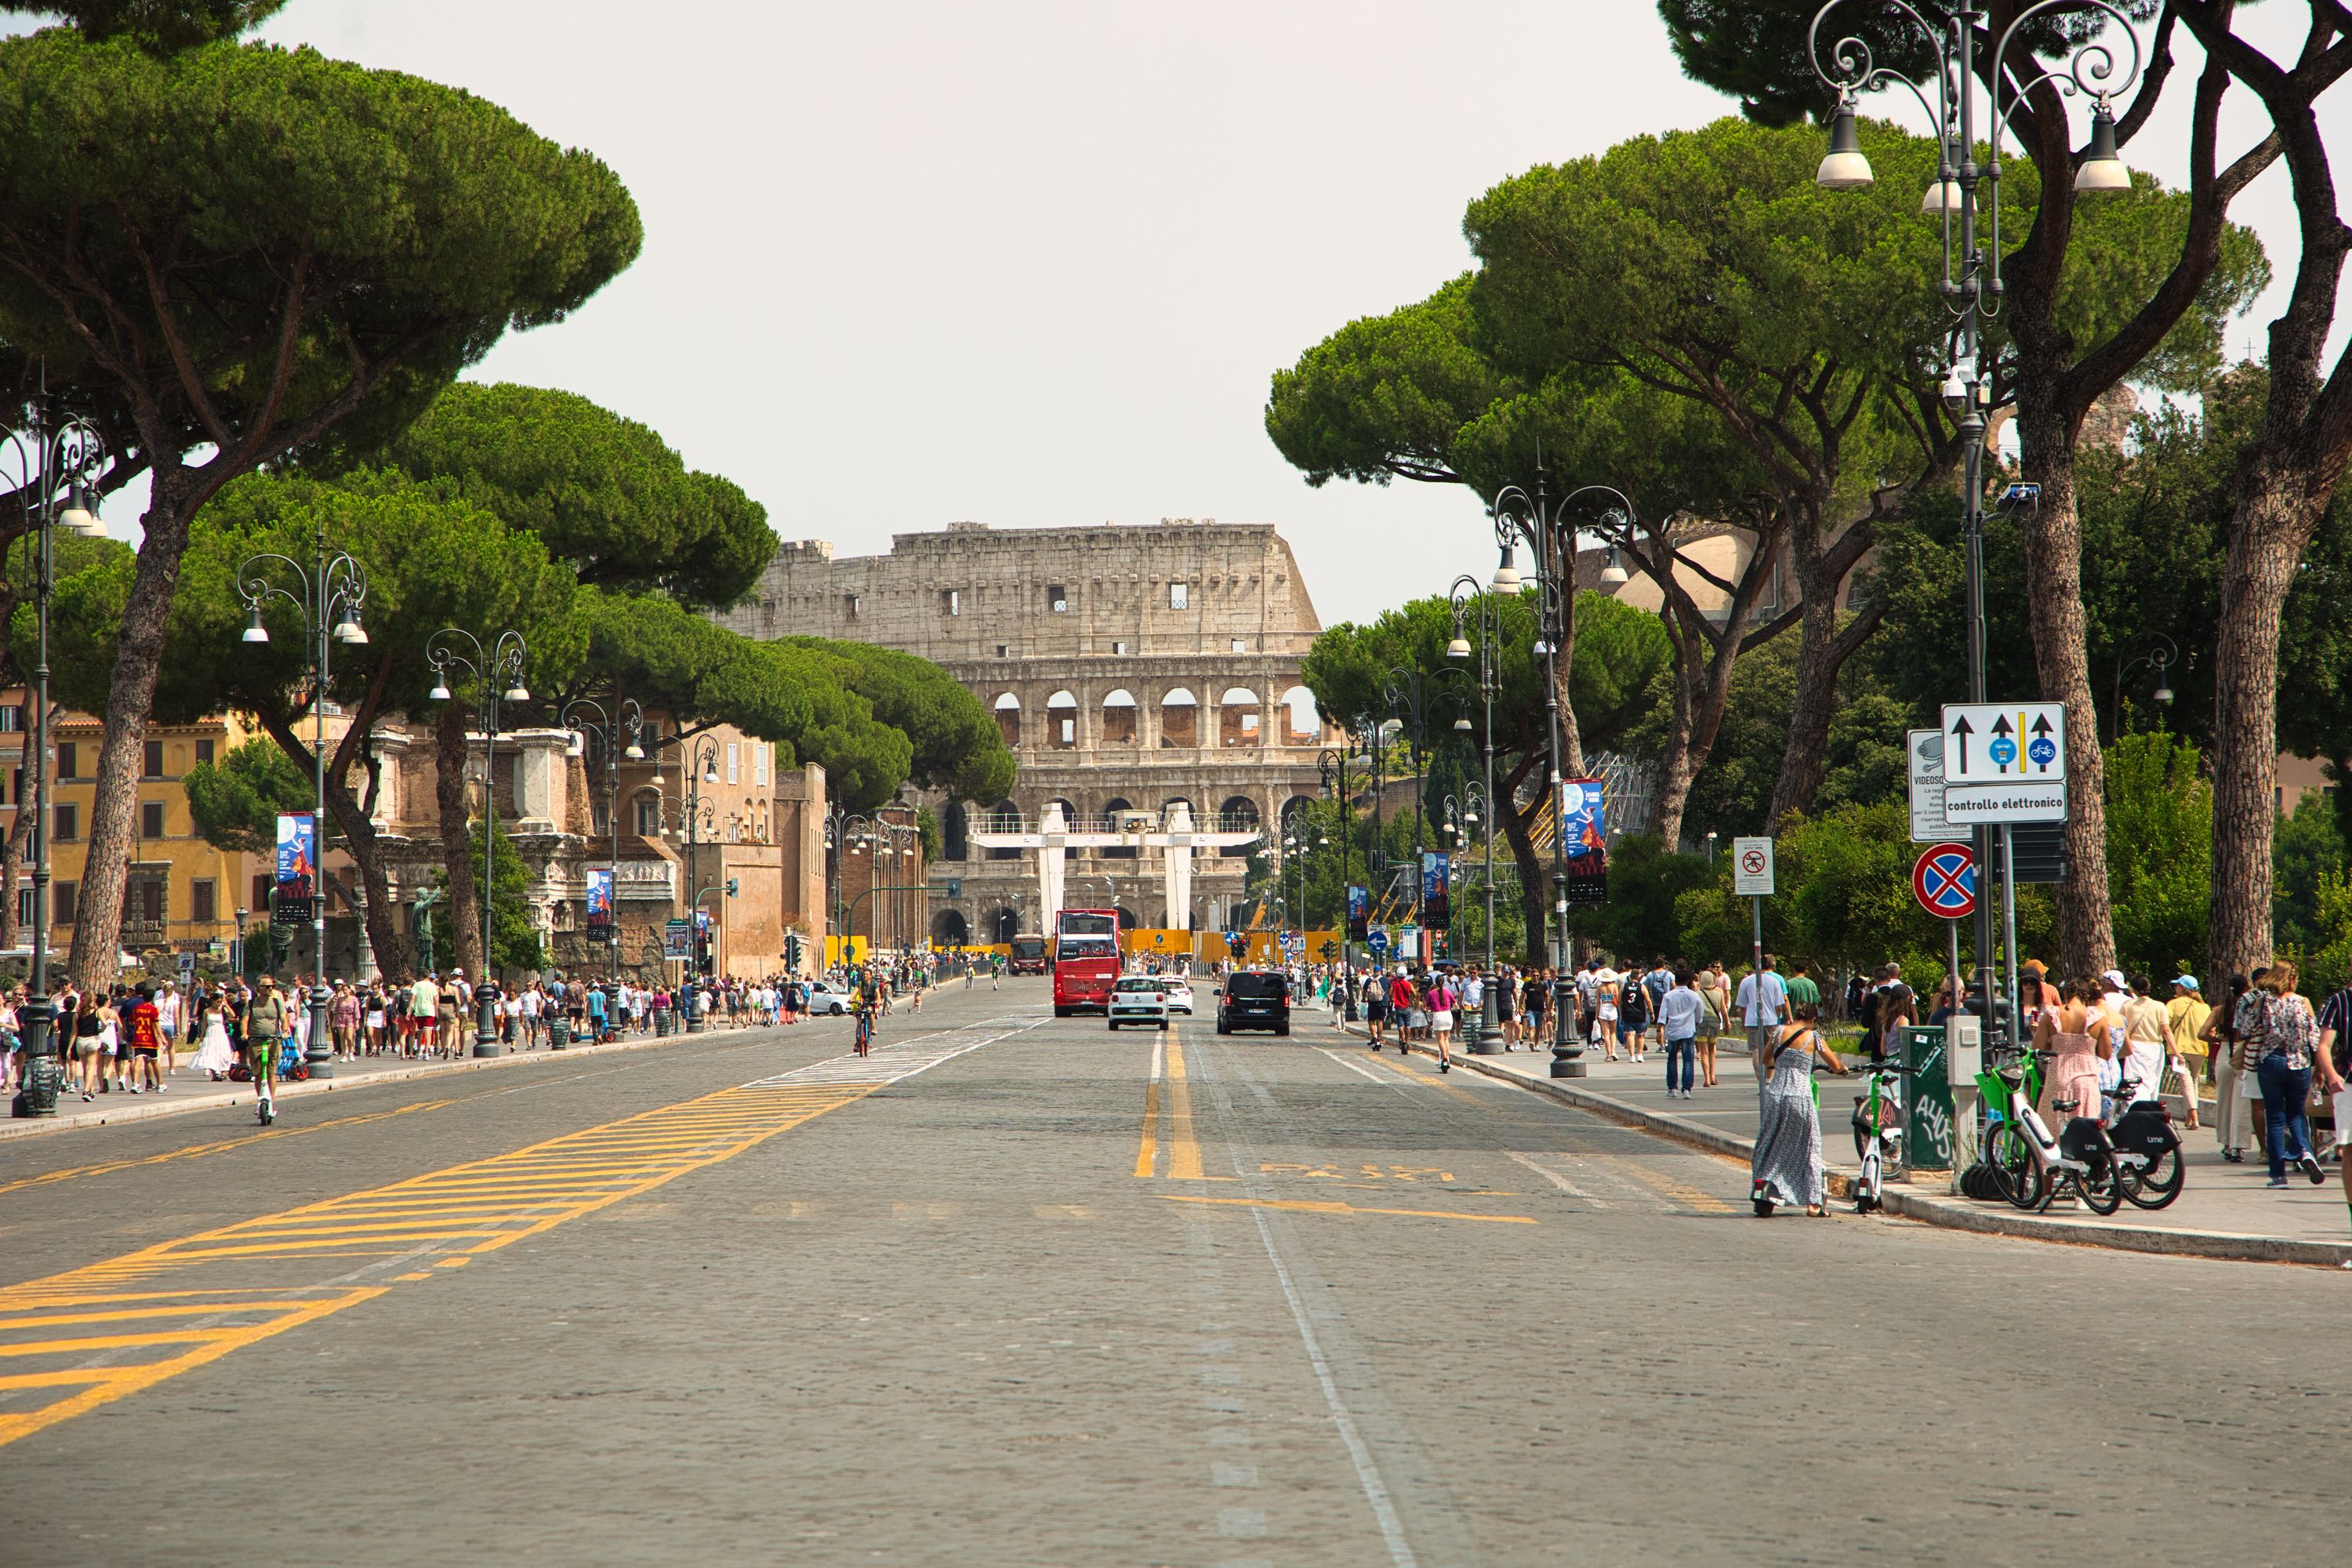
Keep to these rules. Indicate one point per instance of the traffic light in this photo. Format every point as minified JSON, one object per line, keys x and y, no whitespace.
{"x":793,"y":951}
{"x":731,"y":885}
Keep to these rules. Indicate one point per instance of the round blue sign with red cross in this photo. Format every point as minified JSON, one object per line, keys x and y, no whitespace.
{"x":1944,"y":882}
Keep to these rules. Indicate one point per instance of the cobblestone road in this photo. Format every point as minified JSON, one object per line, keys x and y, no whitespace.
{"x":1021,"y":1291}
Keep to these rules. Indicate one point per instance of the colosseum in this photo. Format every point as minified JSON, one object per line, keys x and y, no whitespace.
{"x":1132,"y":669}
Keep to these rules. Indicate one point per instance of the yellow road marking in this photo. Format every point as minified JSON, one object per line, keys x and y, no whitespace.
{"x":1669,"y":1187}
{"x":295,"y":1266}
{"x":223,"y":1146}
{"x":1183,"y":1151}
{"x":1307,"y":1206}
{"x":1147,"y":1155}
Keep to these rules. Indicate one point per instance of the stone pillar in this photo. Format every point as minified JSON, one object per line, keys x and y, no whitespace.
{"x":1050,"y":860}
{"x":1179,"y":868}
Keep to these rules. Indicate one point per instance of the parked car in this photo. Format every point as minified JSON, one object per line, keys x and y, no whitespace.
{"x":1139,"y":999}
{"x":1179,"y":993}
{"x":1255,"y":999}
{"x":826,"y":997}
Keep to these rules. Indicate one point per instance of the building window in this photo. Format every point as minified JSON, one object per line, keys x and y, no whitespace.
{"x":1180,"y":596}
{"x":65,"y":897}
{"x":151,"y":819}
{"x":1004,"y":650}
{"x":951,"y":601}
{"x":65,"y":825}
{"x":11,"y":718}
{"x":1057,"y":599}
{"x":1118,"y":648}
{"x":25,"y":906}
{"x":262,"y":884}
{"x":851,"y":604}
{"x":734,"y":761}
{"x":203,"y":901}
{"x":761,"y":756}
{"x":205,"y":752}
{"x":649,"y":818}
{"x":143,"y":901}
{"x":1240,"y":645}
{"x":150,"y":759}
{"x":67,"y":759}
{"x":601,"y":817}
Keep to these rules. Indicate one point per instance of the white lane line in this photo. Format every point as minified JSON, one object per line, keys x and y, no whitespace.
{"x":1360,"y":1070}
{"x":896,"y":1061}
{"x":1555,"y":1178}
{"x":1360,"y":1453}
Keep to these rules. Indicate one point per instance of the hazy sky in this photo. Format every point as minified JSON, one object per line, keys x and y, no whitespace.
{"x":1033,"y":263}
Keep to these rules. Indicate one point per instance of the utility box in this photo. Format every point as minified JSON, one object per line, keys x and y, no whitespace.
{"x":1964,"y":1050}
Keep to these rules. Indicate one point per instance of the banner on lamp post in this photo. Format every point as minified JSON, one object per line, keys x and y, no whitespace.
{"x":599,"y":903}
{"x":297,"y":867}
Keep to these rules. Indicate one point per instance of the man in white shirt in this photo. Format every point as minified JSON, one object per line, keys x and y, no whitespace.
{"x":1762,"y":1003}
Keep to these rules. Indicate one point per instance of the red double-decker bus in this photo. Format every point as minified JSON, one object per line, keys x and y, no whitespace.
{"x":1086,"y":960}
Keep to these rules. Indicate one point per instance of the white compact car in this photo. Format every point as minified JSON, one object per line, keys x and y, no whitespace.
{"x":1179,"y":993}
{"x":1139,"y":999}
{"x":825,"y":997}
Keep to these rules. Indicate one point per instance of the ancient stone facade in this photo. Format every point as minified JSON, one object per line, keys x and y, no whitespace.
{"x":1128,"y":667}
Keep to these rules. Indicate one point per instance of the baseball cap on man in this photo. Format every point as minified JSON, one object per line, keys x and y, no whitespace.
{"x":2186,"y":982}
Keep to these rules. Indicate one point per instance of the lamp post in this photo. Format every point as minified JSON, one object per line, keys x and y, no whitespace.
{"x":1331,"y":766}
{"x":579,"y":716}
{"x":1550,"y":535}
{"x":1464,"y":590}
{"x":1971,"y":286}
{"x":699,"y":759}
{"x":504,"y":661}
{"x":52,"y":465}
{"x":2160,"y":658}
{"x":333,"y":588}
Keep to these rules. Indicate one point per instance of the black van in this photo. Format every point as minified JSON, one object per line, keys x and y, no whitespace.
{"x":1255,"y":999}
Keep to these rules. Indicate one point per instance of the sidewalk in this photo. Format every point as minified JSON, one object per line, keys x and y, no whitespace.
{"x":188,"y":1090}
{"x":2223,"y":1210}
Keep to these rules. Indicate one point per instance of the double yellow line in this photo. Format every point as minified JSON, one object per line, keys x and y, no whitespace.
{"x":1171,"y":1115}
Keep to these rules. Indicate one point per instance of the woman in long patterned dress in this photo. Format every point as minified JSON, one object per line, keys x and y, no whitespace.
{"x":1788,"y":1161}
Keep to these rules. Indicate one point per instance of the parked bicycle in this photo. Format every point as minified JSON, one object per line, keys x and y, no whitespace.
{"x":2037,"y":1168}
{"x":1878,"y":1123}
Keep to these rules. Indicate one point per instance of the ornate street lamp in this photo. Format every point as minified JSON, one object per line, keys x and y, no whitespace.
{"x":1464,"y":592}
{"x":1971,"y":286}
{"x":330,"y":593}
{"x":584,"y":716}
{"x":502,"y":663}
{"x":52,"y":466}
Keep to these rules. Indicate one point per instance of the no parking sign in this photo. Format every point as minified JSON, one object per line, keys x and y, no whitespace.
{"x":1944,"y":880}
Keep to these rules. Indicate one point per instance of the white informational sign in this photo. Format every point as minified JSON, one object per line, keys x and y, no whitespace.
{"x":1751,"y":866}
{"x":1929,"y":823}
{"x":2013,"y":742}
{"x":2004,"y":763}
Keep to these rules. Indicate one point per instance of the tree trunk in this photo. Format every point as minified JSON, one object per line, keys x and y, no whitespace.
{"x":463,"y":907}
{"x":1822,"y":650}
{"x":1532,"y":882}
{"x":1572,"y":749}
{"x":2275,"y":517}
{"x":1676,"y":769}
{"x":98,"y":924}
{"x":2053,"y":556}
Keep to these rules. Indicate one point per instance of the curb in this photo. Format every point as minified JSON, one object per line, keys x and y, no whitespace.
{"x":34,"y":1127}
{"x":1950,"y":1213}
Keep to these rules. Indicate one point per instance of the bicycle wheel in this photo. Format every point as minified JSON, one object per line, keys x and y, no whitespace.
{"x":2011,"y":1154}
{"x":2102,"y":1192}
{"x":2160,"y":1183}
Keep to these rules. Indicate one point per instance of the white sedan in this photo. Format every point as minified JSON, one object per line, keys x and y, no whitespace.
{"x":825,"y":997}
{"x":1179,"y":993}
{"x":1139,"y":999}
